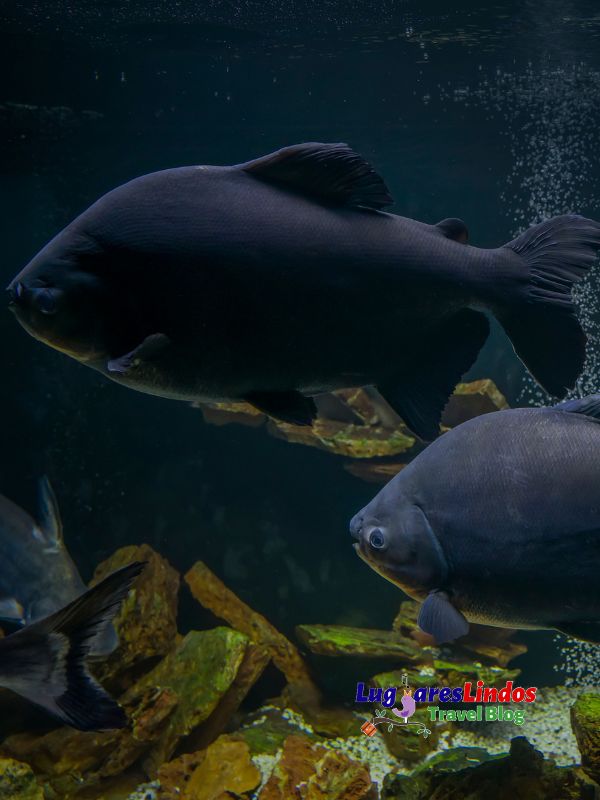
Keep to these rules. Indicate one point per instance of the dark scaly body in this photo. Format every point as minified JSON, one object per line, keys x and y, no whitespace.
{"x":258,"y":287}
{"x":513,"y":500}
{"x":281,"y":278}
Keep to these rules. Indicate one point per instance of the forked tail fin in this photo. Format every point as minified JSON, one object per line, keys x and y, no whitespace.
{"x":46,"y":661}
{"x":543,"y":327}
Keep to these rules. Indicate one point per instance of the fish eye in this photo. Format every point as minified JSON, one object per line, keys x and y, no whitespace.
{"x":45,"y":301}
{"x":377,"y":539}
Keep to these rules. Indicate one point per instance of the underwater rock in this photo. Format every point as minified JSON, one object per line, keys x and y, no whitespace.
{"x":473,"y":773}
{"x":17,"y":781}
{"x":311,"y":772}
{"x":360,"y":424}
{"x":472,"y":400}
{"x":214,"y":595}
{"x":266,"y":730}
{"x":199,"y":672}
{"x":226,"y":413}
{"x":454,"y":673}
{"x":340,"y":640}
{"x":353,"y":441}
{"x":224,"y":767}
{"x":585,"y":721}
{"x":173,"y":777}
{"x":253,"y":663}
{"x":147,"y":622}
{"x":373,"y":471}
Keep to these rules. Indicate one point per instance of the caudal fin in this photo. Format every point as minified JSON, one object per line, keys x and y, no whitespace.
{"x":46,"y":661}
{"x":543,"y":327}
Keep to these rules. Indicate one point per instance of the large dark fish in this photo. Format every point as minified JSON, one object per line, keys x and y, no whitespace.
{"x":497,"y":522}
{"x":45,"y":662}
{"x":38,"y":576}
{"x":281,"y":278}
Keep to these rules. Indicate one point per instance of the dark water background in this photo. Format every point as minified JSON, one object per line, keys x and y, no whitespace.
{"x":454,"y":106}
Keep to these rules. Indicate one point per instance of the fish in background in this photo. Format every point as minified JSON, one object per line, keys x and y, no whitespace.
{"x":281,"y":278}
{"x":38,"y":576}
{"x":45,"y":661}
{"x":497,"y":522}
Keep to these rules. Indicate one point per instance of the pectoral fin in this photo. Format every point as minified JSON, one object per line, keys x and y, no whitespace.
{"x":292,"y":407}
{"x":585,"y":631}
{"x":439,"y":618}
{"x":149,"y":349}
{"x":12,"y":610}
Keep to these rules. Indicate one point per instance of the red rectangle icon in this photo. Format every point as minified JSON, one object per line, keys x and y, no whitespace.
{"x":369,"y":729}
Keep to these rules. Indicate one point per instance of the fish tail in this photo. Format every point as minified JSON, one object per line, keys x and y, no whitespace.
{"x":539,"y":317}
{"x":46,"y":661}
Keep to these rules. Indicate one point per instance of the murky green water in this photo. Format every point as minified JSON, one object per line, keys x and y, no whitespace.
{"x":488,"y":112}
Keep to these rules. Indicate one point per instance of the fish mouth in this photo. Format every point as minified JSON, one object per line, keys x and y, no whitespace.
{"x":14,"y":292}
{"x":382,"y":569}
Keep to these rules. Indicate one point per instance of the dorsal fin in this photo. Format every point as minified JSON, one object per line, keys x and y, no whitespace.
{"x":332,"y":173}
{"x":588,"y":406}
{"x":454,"y":228}
{"x":50,"y":521}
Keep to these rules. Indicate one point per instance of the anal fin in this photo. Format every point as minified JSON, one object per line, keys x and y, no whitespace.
{"x":420,"y":395}
{"x":292,"y":407}
{"x":585,"y":631}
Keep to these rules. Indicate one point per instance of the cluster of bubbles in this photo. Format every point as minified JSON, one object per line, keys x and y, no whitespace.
{"x":550,"y":116}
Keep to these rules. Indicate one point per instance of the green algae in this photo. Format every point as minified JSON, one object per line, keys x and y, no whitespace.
{"x":17,"y":781}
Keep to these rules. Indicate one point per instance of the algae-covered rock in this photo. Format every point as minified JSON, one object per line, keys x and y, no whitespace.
{"x":354,"y":441}
{"x":147,"y":621}
{"x":17,"y":781}
{"x":359,"y":423}
{"x":224,"y":768}
{"x":472,"y":400}
{"x":453,"y":673}
{"x":266,"y":730}
{"x":199,"y":672}
{"x":254,"y":662}
{"x":310,"y":772}
{"x":173,"y":777}
{"x":585,"y":720}
{"x":522,"y":774}
{"x":214,"y":595}
{"x":340,"y":640}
